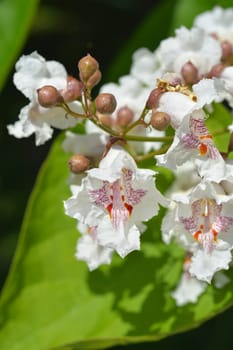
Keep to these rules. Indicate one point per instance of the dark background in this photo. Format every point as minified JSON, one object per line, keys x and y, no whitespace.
{"x":65,"y":31}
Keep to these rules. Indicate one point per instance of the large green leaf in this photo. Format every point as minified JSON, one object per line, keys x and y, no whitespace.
{"x":15,"y":20}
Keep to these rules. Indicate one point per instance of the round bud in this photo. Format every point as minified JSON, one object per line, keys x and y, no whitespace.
{"x":190,"y":73}
{"x":105,"y":103}
{"x":94,"y":79}
{"x":125,"y":116}
{"x":73,"y":90}
{"x":78,"y":163}
{"x":227,"y":49}
{"x":160,"y":120}
{"x":216,"y":70}
{"x":49,"y":96}
{"x":153,"y":98}
{"x":87,"y":67}
{"x":105,"y":119}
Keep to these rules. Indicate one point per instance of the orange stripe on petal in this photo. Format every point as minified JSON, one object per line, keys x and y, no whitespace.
{"x":203,"y":149}
{"x":129,"y":208}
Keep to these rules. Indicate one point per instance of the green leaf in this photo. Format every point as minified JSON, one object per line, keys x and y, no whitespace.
{"x":220,"y":118}
{"x":51,"y":299}
{"x":15,"y":20}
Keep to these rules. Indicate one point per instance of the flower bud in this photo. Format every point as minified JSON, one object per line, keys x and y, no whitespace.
{"x":78,"y":163}
{"x":153,"y":99}
{"x":190,"y":73}
{"x":105,"y":103}
{"x":216,"y":70}
{"x":227,"y":49}
{"x":94,"y":79}
{"x":105,"y":119}
{"x":160,"y":120}
{"x":125,"y":116}
{"x":87,"y":67}
{"x":49,"y":96}
{"x":73,"y":90}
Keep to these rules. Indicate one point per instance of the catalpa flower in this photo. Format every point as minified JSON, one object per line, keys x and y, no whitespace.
{"x":32,"y":73}
{"x":189,"y":46}
{"x":218,"y":22}
{"x":202,"y":222}
{"x":146,"y":67}
{"x":179,"y":101}
{"x":115,"y":198}
{"x":189,"y":288}
{"x":193,"y":142}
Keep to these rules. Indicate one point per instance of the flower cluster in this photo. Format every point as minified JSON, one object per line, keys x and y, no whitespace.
{"x":160,"y":111}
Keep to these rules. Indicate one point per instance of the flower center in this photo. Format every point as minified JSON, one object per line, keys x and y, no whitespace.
{"x":118,"y":198}
{"x":206,"y":223}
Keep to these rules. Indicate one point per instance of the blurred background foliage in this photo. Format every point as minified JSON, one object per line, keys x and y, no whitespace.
{"x":65,"y":31}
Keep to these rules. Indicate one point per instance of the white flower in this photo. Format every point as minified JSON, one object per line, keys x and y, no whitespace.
{"x":33,"y":72}
{"x":146,"y":67}
{"x":225,"y":83}
{"x":115,"y":198}
{"x":89,"y":250}
{"x":193,"y":142}
{"x":89,"y":145}
{"x":217,"y":21}
{"x":190,"y":288}
{"x":177,"y":104}
{"x":193,"y":46}
{"x":202,"y":222}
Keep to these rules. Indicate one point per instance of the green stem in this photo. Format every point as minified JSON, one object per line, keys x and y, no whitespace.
{"x":152,"y":154}
{"x":115,"y":133}
{"x":140,"y":121}
{"x":148,"y":138}
{"x":74,"y":114}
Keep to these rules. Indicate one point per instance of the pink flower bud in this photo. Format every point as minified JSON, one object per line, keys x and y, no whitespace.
{"x":160,"y":120}
{"x":73,"y":90}
{"x":87,"y":67}
{"x":216,"y":70}
{"x":105,"y":103}
{"x":153,"y":99}
{"x":78,"y":163}
{"x":125,"y":116}
{"x":190,"y":73}
{"x":94,"y":79}
{"x":105,"y":119}
{"x":227,"y":49}
{"x":49,"y":96}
